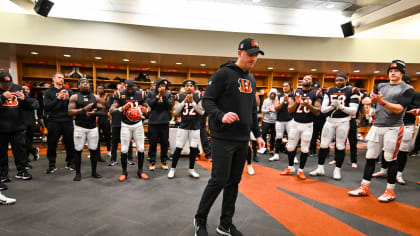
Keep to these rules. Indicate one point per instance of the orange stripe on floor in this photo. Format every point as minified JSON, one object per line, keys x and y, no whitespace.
{"x":302,"y":219}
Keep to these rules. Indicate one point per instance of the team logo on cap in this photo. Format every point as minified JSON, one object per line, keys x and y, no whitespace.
{"x":6,"y":79}
{"x":393,"y":65}
{"x":241,"y":46}
{"x":255,"y":44}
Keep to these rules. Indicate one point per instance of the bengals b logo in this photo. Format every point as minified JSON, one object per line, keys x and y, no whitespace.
{"x":244,"y":86}
{"x":11,"y":102}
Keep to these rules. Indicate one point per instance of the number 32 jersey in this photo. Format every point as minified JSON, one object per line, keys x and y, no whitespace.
{"x":345,"y":96}
{"x":302,"y":113}
{"x":190,"y":119}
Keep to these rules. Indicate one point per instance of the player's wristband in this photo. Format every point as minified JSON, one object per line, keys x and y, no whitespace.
{"x":120,"y":109}
{"x":382,"y":104}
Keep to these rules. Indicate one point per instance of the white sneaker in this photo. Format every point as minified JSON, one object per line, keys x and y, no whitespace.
{"x":381,"y":173}
{"x":171,"y":173}
{"x":318,"y":171}
{"x":250,"y":170}
{"x":88,"y":156}
{"x":275,"y":157}
{"x":262,"y":150}
{"x":400,"y":180}
{"x":6,"y":200}
{"x":337,"y":173}
{"x":296,"y":161}
{"x":193,"y":173}
{"x":109,"y":154}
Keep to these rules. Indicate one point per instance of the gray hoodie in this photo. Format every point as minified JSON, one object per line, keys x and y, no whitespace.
{"x":269,"y":117}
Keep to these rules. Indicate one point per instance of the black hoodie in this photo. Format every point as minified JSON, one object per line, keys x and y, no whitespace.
{"x":231,"y":89}
{"x":12,"y":111}
{"x":160,"y":108}
{"x":56,"y":109}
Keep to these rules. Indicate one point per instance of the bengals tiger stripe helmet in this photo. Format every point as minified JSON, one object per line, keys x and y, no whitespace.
{"x":133,"y":114}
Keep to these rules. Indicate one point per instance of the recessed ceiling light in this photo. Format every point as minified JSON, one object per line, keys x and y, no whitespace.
{"x":291,"y":68}
{"x":67,"y":55}
{"x":329,"y":6}
{"x":34,"y":53}
{"x":356,"y":71}
{"x":335,"y":70}
{"x":256,"y":1}
{"x":313,"y":69}
{"x":153,"y":62}
{"x":98,"y":58}
{"x":178,"y":63}
{"x":270,"y":68}
{"x":376,"y":71}
{"x":418,"y":73}
{"x":125,"y":59}
{"x":202,"y":64}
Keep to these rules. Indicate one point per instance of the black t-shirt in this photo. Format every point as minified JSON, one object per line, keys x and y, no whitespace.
{"x":137,"y":98}
{"x":345,"y":96}
{"x":302,"y":114}
{"x":190,"y":119}
{"x":82,"y":120}
{"x":283,"y":114}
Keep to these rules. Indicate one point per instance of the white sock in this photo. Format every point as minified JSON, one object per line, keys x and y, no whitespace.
{"x":367,"y":182}
{"x":399,"y":174}
{"x":383,"y":170}
{"x":320,"y":166}
{"x":390,"y":186}
{"x":290,"y":167}
{"x":338,"y":168}
{"x":300,"y":170}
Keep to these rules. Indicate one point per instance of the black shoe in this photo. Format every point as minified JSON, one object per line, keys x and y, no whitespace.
{"x":96,"y":175}
{"x":78,"y":177}
{"x":70,"y":167}
{"x":112,"y":163}
{"x":200,"y":229}
{"x":51,"y":170}
{"x":131,"y":163}
{"x":100,"y":159}
{"x":36,"y":154}
{"x":28,"y":166}
{"x":256,"y":159}
{"x":23,"y":175}
{"x":229,"y":231}
{"x":3,"y":187}
{"x":5,"y":178}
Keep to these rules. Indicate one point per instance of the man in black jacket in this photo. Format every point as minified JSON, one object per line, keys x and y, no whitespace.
{"x":160,"y":103}
{"x":56,"y":101}
{"x":29,"y":119}
{"x":230,"y":102}
{"x":12,"y":127}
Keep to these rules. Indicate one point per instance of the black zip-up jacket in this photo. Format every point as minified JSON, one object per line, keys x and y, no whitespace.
{"x":11,"y":111}
{"x":56,"y":109}
{"x":29,"y":111}
{"x":231,"y":89}
{"x":160,"y":113}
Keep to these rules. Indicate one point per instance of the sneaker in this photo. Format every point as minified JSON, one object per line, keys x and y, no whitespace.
{"x":78,"y":177}
{"x":5,"y":178}
{"x":229,"y":231}
{"x":6,"y":200}
{"x":387,"y":196}
{"x":301,"y":175}
{"x":152,"y":166}
{"x":100,"y":159}
{"x":379,"y":174}
{"x":354,"y":165}
{"x":131,"y":163}
{"x":331,"y":162}
{"x":171,"y":173}
{"x":23,"y":175}
{"x":108,"y":154}
{"x":70,"y":167}
{"x":296,"y":161}
{"x":122,"y":177}
{"x":337,"y":173}
{"x":288,"y":171}
{"x":192,"y":173}
{"x":142,"y":175}
{"x":262,"y":150}
{"x":250,"y":170}
{"x":363,"y":190}
{"x":165,"y":166}
{"x":112,"y":163}
{"x":96,"y":175}
{"x":400,"y":180}
{"x":3,"y":187}
{"x":28,"y":166}
{"x":275,"y":157}
{"x":36,"y":154}
{"x":318,"y":172}
{"x":51,"y":170}
{"x":200,"y":230}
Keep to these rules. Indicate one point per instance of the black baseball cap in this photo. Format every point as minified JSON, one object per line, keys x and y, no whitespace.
{"x":188,"y":81}
{"x":249,"y":45}
{"x":6,"y":79}
{"x":130,"y":83}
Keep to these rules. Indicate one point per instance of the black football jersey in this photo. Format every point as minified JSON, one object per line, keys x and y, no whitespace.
{"x":283,"y":114}
{"x":82,"y":120}
{"x":302,"y":114}
{"x":190,"y":119}
{"x":137,"y":98}
{"x":345,"y":96}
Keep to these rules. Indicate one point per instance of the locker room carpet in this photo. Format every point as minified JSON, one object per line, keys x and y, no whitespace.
{"x":268,"y":204}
